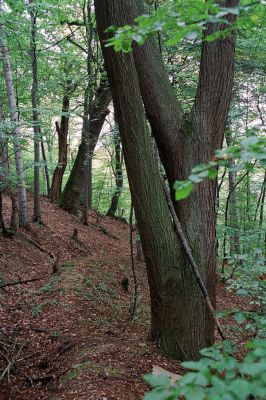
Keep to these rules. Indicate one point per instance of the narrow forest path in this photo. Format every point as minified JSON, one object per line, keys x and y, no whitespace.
{"x":71,"y":327}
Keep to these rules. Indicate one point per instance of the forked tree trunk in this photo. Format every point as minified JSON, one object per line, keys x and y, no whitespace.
{"x":185,"y":141}
{"x":23,"y":205}
{"x":177,"y":308}
{"x":62,"y":132}
{"x":182,"y":142}
{"x":70,"y":199}
{"x":118,"y":175}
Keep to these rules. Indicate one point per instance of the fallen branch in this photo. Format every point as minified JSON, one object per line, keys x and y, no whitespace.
{"x":11,"y":361}
{"x":103,"y":230}
{"x":193,"y":264}
{"x":37,"y":245}
{"x":19,"y":282}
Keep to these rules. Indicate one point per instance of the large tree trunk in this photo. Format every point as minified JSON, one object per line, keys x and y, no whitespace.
{"x":70,"y":199}
{"x":118,"y":175}
{"x":185,"y":141}
{"x":62,"y":132}
{"x":178,"y":314}
{"x":23,"y":205}
{"x":35,"y":118}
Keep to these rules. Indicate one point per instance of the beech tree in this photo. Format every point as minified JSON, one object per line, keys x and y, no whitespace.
{"x":180,"y":322}
{"x":23,"y":206}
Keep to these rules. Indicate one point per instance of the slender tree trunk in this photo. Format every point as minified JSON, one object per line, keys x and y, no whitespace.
{"x":46,"y":172}
{"x":23,"y":205}
{"x":3,"y":153}
{"x":118,"y":175}
{"x":35,"y":118}
{"x":233,"y":217}
{"x":62,"y":132}
{"x":70,"y":199}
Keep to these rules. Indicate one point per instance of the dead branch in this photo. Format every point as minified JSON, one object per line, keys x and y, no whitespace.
{"x":37,"y":245}
{"x":103,"y":230}
{"x":11,"y":360}
{"x":19,"y":282}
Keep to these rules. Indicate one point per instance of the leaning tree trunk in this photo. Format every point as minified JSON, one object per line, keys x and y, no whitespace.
{"x":23,"y":205}
{"x":62,"y":132}
{"x":178,"y":315}
{"x":118,"y":175}
{"x":70,"y":199}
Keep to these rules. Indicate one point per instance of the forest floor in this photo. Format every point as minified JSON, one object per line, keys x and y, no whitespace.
{"x":71,"y":329}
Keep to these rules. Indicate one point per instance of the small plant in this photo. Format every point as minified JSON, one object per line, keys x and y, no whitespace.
{"x":37,"y":310}
{"x":69,"y":265}
{"x":217,"y":375}
{"x":49,"y":286}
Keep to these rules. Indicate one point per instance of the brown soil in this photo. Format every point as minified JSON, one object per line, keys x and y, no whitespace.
{"x":71,"y":327}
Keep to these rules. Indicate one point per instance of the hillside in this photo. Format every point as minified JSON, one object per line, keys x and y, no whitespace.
{"x":69,"y":330}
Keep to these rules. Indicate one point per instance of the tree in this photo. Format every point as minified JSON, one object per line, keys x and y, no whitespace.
{"x":70,"y":199}
{"x":62,"y":132}
{"x":183,"y":140}
{"x":23,"y":205}
{"x":35,"y":114}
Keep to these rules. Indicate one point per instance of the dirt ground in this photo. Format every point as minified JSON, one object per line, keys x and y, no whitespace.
{"x":69,"y":332}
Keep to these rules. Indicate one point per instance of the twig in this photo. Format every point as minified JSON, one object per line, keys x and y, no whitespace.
{"x":191,"y":259}
{"x":11,"y":362}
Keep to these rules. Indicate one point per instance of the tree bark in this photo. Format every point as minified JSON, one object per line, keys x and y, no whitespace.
{"x":70,"y":199}
{"x":62,"y":132}
{"x":178,"y":313}
{"x":118,"y":175}
{"x":3,"y":153}
{"x":23,"y":205}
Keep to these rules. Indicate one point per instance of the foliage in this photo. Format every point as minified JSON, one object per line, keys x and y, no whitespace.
{"x":251,"y":148}
{"x":185,"y":21}
{"x":218,"y":375}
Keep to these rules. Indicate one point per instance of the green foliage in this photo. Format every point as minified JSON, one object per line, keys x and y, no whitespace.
{"x":184,"y":20}
{"x":218,"y":375}
{"x":250,"y":149}
{"x":37,"y":310}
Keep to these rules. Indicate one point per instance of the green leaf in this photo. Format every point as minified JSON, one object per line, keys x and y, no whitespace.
{"x":158,"y":380}
{"x":184,"y":192}
{"x":240,"y":317}
{"x":212,"y":173}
